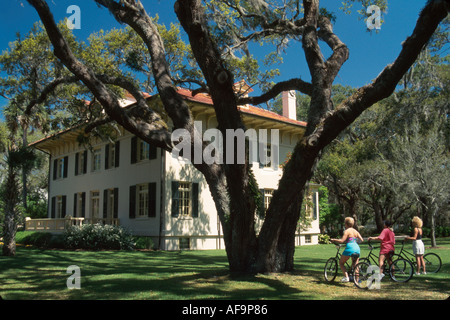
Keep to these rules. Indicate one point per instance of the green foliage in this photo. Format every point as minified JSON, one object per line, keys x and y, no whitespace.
{"x":324,"y":239}
{"x":144,"y":243}
{"x":98,"y":237}
{"x":42,"y":240}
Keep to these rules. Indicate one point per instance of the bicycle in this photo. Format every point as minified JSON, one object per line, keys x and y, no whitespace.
{"x":432,"y":261}
{"x":365,"y":274}
{"x":331,"y":266}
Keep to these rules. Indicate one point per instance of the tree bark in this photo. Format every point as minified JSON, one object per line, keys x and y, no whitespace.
{"x":11,"y":198}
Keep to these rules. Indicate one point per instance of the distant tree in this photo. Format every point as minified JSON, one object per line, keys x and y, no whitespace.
{"x":17,"y":159}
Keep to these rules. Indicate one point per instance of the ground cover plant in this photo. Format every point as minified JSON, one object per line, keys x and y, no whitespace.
{"x":161,"y":275}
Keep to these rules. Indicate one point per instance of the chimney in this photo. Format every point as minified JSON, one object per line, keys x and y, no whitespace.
{"x":289,"y":104}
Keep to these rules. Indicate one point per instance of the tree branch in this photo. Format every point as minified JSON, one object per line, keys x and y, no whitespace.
{"x":383,"y":85}
{"x":292,"y":84}
{"x":106,"y":98}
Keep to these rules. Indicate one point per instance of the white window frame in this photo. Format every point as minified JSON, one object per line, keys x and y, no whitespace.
{"x":143,"y":150}
{"x":142,"y":200}
{"x":96,"y":159}
{"x":81,"y":162}
{"x":185,"y":199}
{"x":268,"y":194}
{"x":60,"y":168}
{"x":59,"y":207}
{"x":112,"y":155}
{"x":95,"y":204}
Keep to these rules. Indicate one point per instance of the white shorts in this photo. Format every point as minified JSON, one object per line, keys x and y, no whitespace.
{"x":418,"y":247}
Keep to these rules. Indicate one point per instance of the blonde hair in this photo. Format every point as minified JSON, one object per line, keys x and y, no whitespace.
{"x":349,"y":222}
{"x":417,"y":222}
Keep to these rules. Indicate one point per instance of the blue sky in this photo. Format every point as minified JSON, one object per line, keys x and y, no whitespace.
{"x":370,"y":52}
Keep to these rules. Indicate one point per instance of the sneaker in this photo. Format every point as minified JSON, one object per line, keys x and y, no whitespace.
{"x":424,"y":272}
{"x":345,"y":279}
{"x":417,"y":273}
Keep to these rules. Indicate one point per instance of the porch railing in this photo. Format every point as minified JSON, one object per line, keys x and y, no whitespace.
{"x":55,"y":225}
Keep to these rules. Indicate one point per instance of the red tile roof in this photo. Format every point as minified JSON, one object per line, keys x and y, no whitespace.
{"x":248,"y":109}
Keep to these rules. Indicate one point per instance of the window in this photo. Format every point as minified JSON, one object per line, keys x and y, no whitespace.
{"x":112,"y":155}
{"x":58,"y":209}
{"x":80,"y":163}
{"x":60,"y":166}
{"x":268,"y":194}
{"x":96,"y":159}
{"x":308,"y":238}
{"x":141,"y":150}
{"x":185,"y":199}
{"x":79,"y":204}
{"x":143,"y":200}
{"x":95,"y":204}
{"x":184,"y":243}
{"x":110,"y":203}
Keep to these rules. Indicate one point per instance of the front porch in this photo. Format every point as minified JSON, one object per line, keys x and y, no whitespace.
{"x":61,"y":224}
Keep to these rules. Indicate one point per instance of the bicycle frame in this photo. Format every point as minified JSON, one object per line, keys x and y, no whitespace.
{"x":348,"y":266}
{"x":405,"y":254}
{"x":372,"y":257}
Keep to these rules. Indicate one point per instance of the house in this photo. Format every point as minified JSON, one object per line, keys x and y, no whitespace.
{"x":148,"y":191}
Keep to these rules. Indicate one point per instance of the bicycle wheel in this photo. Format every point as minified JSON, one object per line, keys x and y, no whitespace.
{"x":401,"y":270}
{"x":331,"y":269}
{"x":364,"y":275}
{"x":433,"y":262}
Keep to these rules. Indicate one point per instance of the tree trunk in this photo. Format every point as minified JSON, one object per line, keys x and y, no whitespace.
{"x":11,"y":199}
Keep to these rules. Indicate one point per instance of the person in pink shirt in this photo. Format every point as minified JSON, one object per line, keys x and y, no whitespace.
{"x":387,"y":249}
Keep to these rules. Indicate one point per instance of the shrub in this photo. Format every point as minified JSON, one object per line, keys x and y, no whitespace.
{"x":98,"y":237}
{"x":144,"y":243}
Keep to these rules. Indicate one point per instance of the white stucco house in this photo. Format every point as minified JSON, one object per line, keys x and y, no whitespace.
{"x":146,"y":190}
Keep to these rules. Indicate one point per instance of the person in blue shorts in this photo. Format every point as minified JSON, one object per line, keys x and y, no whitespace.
{"x":350,"y":238}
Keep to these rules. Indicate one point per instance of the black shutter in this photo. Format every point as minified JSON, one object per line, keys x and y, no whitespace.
{"x":107,"y":157}
{"x":133,"y":150}
{"x":105,"y":203}
{"x":64,"y":202}
{"x":53,"y":210}
{"x":195,"y":195}
{"x":152,"y":199}
{"x":83,"y":204}
{"x":116,"y":202}
{"x":55,"y":169}
{"x":117,"y":154}
{"x":66,"y":166}
{"x":75,"y":198}
{"x":175,"y":196}
{"x":151,"y":152}
{"x":132,"y":213}
{"x":77,"y":156}
{"x":85,"y":162}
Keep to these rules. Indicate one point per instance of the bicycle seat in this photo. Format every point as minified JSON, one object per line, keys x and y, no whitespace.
{"x":355,"y":255}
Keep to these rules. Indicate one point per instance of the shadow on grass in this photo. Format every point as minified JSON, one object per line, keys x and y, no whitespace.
{"x":38,"y":274}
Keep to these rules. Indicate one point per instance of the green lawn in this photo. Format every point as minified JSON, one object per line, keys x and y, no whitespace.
{"x":41,"y":274}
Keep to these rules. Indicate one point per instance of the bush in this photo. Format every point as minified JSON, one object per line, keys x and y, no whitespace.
{"x":144,"y":243}
{"x":98,"y":237}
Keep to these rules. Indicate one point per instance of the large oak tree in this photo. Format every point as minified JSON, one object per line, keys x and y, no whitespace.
{"x":232,"y":186}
